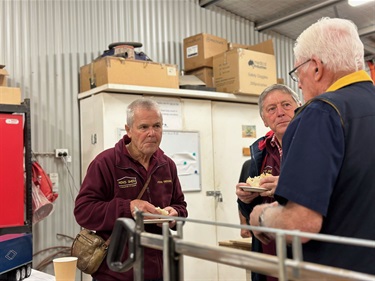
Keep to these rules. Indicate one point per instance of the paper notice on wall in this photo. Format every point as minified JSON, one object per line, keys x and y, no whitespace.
{"x":172,"y":113}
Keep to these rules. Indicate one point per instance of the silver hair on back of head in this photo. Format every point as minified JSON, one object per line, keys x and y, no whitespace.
{"x":335,"y":41}
{"x":142,"y":103}
{"x":279,"y":87}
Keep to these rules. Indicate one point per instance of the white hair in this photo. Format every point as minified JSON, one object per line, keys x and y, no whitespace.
{"x":335,"y":41}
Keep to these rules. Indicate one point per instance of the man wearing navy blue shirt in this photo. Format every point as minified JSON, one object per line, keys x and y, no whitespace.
{"x":327,"y":179}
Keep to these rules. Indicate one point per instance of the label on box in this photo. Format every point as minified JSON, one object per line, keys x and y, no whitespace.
{"x":171,"y":71}
{"x":192,"y":51}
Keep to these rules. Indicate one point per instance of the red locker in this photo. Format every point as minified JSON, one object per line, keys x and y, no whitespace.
{"x":12,"y":191}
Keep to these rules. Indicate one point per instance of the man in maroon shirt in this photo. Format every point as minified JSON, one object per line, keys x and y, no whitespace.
{"x":115,"y":178}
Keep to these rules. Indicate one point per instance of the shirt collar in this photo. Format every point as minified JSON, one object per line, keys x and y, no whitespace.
{"x":274,"y":142}
{"x":358,"y":76}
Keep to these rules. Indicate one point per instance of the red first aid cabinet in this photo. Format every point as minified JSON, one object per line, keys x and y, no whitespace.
{"x":15,"y":168}
{"x":15,"y":191}
{"x":12,"y":188}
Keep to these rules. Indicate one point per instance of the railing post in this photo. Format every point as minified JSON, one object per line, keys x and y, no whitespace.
{"x":297,"y":254}
{"x":281,"y":254}
{"x":166,"y":253}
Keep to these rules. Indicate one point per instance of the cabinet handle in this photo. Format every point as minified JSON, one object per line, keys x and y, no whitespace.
{"x":93,"y":139}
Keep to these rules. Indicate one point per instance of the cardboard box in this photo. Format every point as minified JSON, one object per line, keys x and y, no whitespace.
{"x":10,"y":95}
{"x":116,"y":70}
{"x":206,"y":74}
{"x":3,"y":75}
{"x":264,"y":47}
{"x":243,"y":71}
{"x":232,"y":46}
{"x":200,"y":49}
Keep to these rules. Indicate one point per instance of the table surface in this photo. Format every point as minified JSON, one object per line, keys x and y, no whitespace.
{"x":39,"y":276}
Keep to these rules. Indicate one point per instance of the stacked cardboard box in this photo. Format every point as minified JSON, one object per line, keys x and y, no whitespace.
{"x":199,"y":51}
{"x":117,"y":70}
{"x":230,"y":67}
{"x":8,"y":95}
{"x":206,"y":74}
{"x":245,"y":69}
{"x":3,"y":75}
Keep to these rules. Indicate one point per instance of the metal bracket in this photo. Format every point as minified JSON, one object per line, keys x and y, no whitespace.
{"x":216,"y":194}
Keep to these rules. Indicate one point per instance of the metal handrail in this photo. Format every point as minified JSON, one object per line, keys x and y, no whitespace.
{"x":174,"y":247}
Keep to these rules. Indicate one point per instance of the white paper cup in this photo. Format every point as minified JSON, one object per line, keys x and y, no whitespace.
{"x":65,"y":268}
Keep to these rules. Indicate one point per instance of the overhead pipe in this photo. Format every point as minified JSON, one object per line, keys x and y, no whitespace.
{"x":300,"y":13}
{"x":207,"y":3}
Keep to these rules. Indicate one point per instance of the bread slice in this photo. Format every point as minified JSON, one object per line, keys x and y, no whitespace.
{"x":162,"y":211}
{"x":255,"y":180}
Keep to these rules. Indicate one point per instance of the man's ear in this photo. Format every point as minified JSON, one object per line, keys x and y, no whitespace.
{"x":319,"y":68}
{"x":127,"y":129}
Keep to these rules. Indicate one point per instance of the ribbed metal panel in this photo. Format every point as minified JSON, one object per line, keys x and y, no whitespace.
{"x":43,"y":43}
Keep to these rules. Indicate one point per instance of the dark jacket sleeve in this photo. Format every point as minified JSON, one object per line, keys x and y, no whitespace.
{"x":245,"y":171}
{"x":251,"y":168}
{"x":247,"y":208}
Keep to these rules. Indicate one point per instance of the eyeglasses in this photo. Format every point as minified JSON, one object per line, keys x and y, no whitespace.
{"x":293,"y":74}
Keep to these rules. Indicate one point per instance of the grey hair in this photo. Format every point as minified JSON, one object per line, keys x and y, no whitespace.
{"x":279,"y":87}
{"x":335,"y":41}
{"x":142,"y":103}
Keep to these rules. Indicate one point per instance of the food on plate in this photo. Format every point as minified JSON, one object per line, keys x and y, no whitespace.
{"x":162,"y":211}
{"x":255,"y":180}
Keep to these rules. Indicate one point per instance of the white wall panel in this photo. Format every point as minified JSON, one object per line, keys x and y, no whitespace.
{"x":43,"y":43}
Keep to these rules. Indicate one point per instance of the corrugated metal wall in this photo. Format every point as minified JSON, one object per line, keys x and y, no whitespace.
{"x":43,"y":43}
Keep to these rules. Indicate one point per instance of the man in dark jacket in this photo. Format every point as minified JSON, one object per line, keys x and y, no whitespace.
{"x":327,"y":179}
{"x":277,"y":104}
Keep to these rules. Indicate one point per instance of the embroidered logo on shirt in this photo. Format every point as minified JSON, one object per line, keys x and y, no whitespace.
{"x":267,"y":170}
{"x":127,"y":182}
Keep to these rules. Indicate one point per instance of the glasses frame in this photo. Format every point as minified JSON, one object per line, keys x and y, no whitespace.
{"x":293,"y":73}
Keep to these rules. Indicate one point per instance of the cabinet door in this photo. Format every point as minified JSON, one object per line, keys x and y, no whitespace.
{"x":228,"y":120}
{"x":197,"y":117}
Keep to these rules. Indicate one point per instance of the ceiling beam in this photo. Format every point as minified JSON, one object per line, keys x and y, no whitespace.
{"x":366,"y":31}
{"x":295,"y":15}
{"x":369,"y":49}
{"x":363,"y":32}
